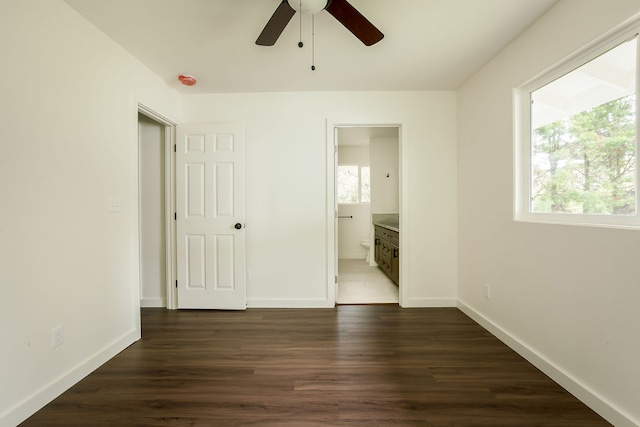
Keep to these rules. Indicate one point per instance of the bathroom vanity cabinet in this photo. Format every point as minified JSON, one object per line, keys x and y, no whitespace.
{"x":387,"y":251}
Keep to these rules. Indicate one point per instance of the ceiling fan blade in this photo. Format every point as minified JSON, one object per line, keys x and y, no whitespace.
{"x":353,"y":20}
{"x":276,"y":25}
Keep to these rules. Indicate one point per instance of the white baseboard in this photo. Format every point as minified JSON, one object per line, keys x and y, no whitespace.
{"x":429,"y":302}
{"x":289,"y":303}
{"x":600,"y":405}
{"x":153,"y":302}
{"x":46,"y":394}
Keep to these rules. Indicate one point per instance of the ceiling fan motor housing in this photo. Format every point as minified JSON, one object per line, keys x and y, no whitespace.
{"x":308,"y":7}
{"x":345,"y":13}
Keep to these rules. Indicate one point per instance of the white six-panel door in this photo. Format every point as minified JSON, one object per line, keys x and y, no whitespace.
{"x":210,"y":216}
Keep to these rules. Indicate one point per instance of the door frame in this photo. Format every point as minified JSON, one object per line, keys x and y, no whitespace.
{"x":332,"y":242}
{"x":169,"y":204}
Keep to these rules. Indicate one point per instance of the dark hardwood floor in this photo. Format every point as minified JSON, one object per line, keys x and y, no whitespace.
{"x":352,"y":365}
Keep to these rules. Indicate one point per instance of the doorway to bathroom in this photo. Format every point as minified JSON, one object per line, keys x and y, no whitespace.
{"x":366,"y":188}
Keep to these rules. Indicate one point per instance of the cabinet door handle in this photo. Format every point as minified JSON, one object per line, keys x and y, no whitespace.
{"x":395,"y":253}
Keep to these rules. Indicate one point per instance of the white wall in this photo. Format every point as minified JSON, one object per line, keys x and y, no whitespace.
{"x":567,"y":297}
{"x":385,"y":184}
{"x":352,"y":230}
{"x":151,"y":140}
{"x":286,"y":189}
{"x":353,"y":154}
{"x":69,"y":142}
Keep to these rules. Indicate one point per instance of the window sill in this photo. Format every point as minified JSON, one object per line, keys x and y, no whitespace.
{"x":580,"y":221}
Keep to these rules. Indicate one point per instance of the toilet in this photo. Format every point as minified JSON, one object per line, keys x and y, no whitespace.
{"x":365,"y":244}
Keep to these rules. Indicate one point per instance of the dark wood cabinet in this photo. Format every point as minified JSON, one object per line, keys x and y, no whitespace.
{"x":387,"y":252}
{"x":395,"y":264}
{"x":377,"y":252}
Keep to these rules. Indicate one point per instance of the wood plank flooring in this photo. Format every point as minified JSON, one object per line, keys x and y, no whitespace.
{"x":353,"y":365}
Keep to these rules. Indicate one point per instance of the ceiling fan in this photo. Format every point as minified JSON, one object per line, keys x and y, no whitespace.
{"x":346,"y":14}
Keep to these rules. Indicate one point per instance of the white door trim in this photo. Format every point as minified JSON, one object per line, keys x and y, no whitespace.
{"x":332,"y":267}
{"x":169,"y":207}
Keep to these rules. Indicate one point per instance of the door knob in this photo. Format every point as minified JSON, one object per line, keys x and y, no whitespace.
{"x":238,"y":226}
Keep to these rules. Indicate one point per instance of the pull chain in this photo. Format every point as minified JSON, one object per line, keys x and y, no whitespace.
{"x":313,"y":42}
{"x":300,"y":44}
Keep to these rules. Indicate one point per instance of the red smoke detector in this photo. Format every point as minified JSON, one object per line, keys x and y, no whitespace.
{"x":187,"y":80}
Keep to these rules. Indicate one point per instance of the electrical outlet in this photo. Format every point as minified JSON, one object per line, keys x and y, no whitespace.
{"x":57,"y":336}
{"x":487,"y":291}
{"x":248,"y":276}
{"x":114,"y":204}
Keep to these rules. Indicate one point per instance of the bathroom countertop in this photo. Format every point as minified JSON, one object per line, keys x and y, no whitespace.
{"x":391,"y":225}
{"x":390,"y":221}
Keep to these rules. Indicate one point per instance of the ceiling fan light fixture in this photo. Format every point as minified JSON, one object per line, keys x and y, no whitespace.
{"x":308,"y":7}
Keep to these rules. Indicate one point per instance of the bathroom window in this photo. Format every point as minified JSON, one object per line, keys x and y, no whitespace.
{"x":365,"y":184}
{"x":353,"y":184}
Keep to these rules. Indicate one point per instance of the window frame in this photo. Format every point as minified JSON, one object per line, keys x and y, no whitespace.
{"x":523,"y":141}
{"x":359,"y":166}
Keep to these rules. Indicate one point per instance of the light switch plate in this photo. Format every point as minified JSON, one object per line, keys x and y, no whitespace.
{"x":57,"y":336}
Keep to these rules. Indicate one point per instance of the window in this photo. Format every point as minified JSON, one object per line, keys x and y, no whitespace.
{"x":353,"y":184}
{"x":577,"y":146}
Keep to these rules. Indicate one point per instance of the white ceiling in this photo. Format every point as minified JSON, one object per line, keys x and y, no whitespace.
{"x":428,"y":44}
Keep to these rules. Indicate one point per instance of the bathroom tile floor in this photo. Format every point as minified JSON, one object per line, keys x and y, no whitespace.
{"x":359,"y":283}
